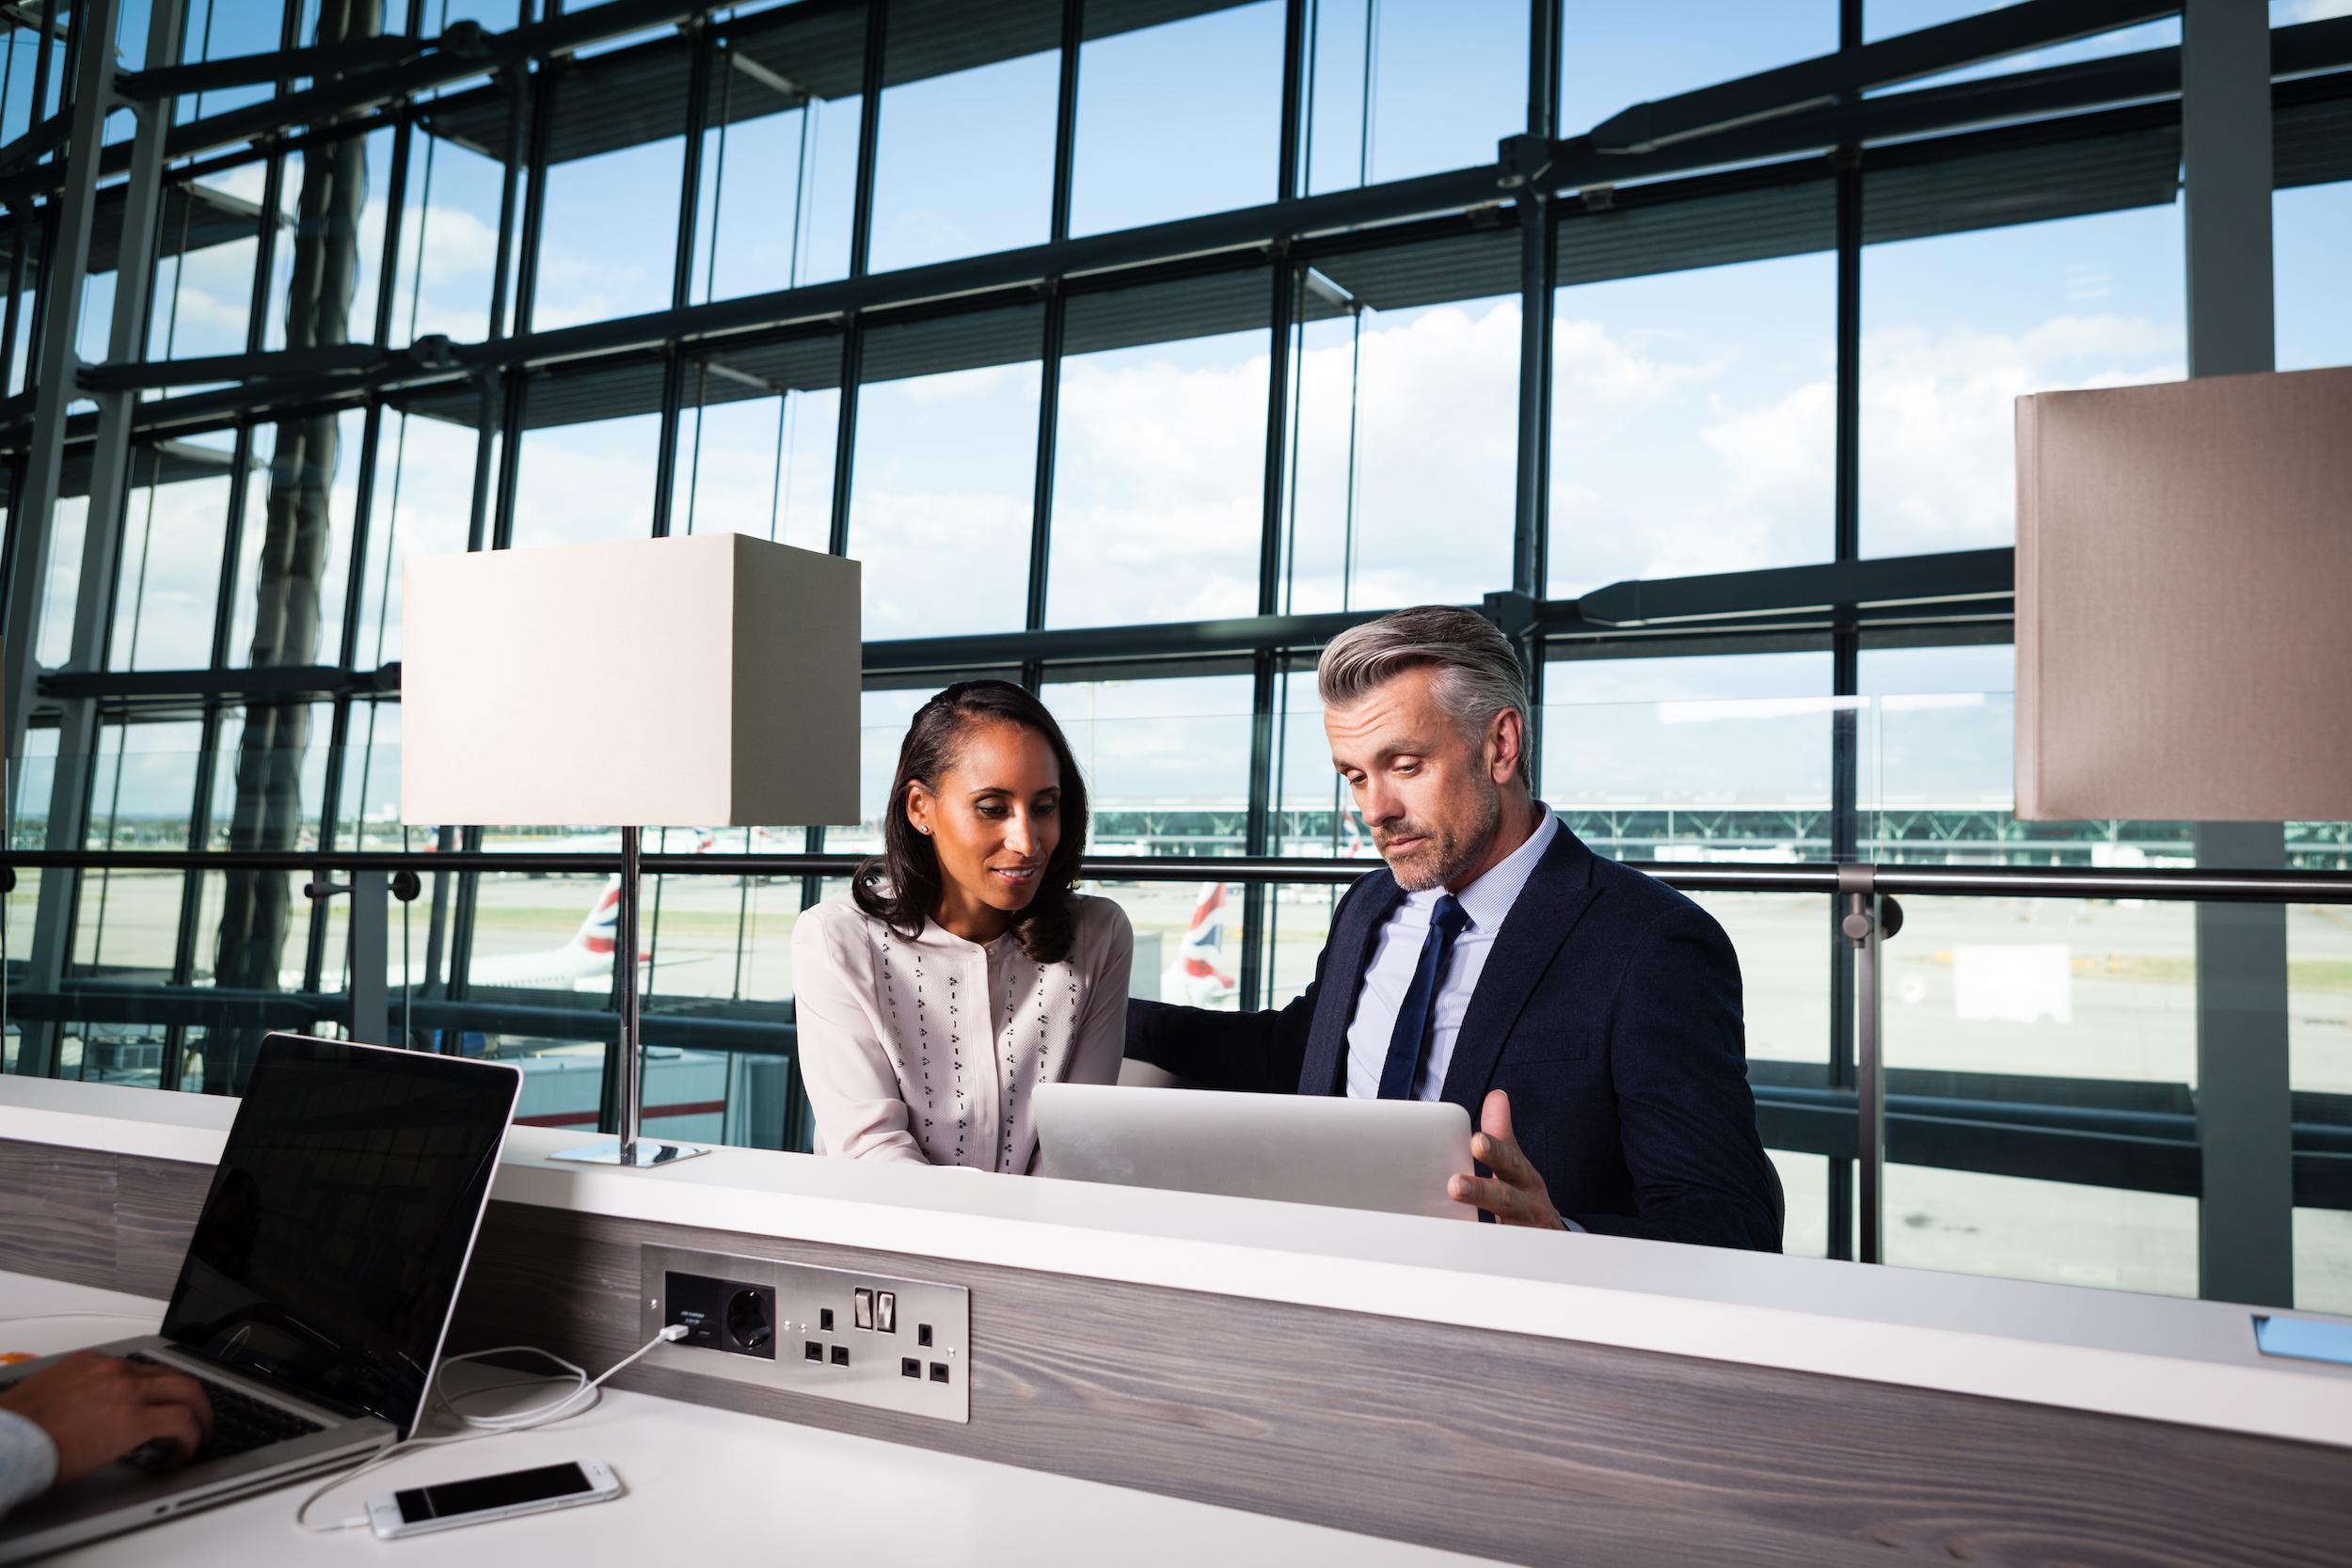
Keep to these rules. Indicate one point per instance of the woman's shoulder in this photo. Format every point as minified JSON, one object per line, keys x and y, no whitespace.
{"x":837,"y":925}
{"x":1097,"y":920}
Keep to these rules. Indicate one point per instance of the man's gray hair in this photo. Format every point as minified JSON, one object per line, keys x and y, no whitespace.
{"x":1478,"y":674}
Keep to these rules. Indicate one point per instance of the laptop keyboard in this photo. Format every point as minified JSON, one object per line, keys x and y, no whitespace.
{"x":241,"y":1423}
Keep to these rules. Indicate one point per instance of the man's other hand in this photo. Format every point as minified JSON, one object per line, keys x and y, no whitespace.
{"x":97,"y":1408}
{"x":1515,"y":1195}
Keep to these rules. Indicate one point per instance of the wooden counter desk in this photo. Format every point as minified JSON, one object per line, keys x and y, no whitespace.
{"x":1508,"y":1394}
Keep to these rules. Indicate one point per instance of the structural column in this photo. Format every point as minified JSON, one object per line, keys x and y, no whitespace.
{"x":2245,"y":1231}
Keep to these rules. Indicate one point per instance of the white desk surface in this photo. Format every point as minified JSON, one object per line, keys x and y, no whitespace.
{"x":2156,"y":1358}
{"x":700,"y":1478}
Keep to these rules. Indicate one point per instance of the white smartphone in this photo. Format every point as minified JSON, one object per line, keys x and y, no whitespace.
{"x":471,"y":1503}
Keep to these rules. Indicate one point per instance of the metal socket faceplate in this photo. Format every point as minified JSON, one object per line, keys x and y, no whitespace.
{"x":876,"y":1370}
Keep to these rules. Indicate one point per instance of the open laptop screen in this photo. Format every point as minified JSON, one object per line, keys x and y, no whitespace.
{"x":330,"y":1248}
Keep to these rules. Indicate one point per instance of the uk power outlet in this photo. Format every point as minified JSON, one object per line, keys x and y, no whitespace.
{"x":838,"y":1334}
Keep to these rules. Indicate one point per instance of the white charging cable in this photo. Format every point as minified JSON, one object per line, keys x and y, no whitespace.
{"x":583,"y":1395}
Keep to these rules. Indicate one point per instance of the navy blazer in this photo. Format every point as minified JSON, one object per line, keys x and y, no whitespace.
{"x":1609,"y":1010}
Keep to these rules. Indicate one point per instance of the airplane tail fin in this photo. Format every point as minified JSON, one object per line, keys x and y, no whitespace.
{"x":1204,"y":939}
{"x":602,"y":928}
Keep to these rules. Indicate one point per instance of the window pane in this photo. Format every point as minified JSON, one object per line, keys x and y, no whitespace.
{"x":1696,"y":758}
{"x":222,"y":30}
{"x":1187,"y":941}
{"x":584,"y":482}
{"x":1693,"y":420}
{"x":2020,"y":1228}
{"x":1159,"y":464}
{"x":1406,"y":430}
{"x":173,"y":532}
{"x":966,"y":161}
{"x":1805,"y":1188}
{"x":762,"y":465}
{"x":1179,"y":120}
{"x":1885,"y":18}
{"x":1956,"y":327}
{"x":1412,"y":87}
{"x":423,"y":502}
{"x":206,"y":244}
{"x":449,"y":238}
{"x":943,"y":491}
{"x":54,"y":644}
{"x":143,"y":782}
{"x":2313,"y":236}
{"x":298,"y":540}
{"x":779,"y":174}
{"x":203,"y":270}
{"x":592,"y":268}
{"x":1613,"y":56}
{"x":2323,"y":1260}
{"x":1165,"y":761}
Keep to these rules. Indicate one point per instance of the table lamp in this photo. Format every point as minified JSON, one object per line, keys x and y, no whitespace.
{"x":709,"y":681}
{"x":2184,"y":600}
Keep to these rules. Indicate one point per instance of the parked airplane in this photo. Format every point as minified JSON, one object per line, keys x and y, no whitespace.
{"x":583,"y":963}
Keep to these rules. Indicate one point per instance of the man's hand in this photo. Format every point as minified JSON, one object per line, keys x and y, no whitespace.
{"x":1515,"y":1195}
{"x":97,"y":1408}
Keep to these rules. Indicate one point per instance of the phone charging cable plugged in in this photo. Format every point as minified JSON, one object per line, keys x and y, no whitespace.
{"x":583,"y":1395}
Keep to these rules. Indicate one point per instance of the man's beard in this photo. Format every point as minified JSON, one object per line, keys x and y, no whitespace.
{"x":1445,"y":854}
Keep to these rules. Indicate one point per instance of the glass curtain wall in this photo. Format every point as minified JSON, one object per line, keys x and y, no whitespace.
{"x":996,"y":305}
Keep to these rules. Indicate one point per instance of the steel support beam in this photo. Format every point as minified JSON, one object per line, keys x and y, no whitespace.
{"x":2245,"y":1217}
{"x":1857,"y":68}
{"x":101,"y":530}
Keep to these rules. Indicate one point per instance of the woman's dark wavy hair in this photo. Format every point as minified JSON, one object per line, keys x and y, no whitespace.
{"x":901,"y":886}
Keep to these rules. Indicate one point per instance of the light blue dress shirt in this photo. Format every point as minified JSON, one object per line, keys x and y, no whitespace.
{"x":1397,"y":951}
{"x":28,"y":1460}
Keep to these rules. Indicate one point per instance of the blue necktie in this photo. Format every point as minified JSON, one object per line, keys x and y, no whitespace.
{"x":1403,"y":1067}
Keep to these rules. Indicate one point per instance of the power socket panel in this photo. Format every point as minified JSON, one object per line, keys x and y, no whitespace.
{"x":835,"y":1333}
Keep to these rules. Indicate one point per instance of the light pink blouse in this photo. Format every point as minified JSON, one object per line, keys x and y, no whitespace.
{"x":928,"y":1051}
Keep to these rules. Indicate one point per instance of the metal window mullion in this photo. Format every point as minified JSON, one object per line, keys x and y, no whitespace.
{"x":68,"y":808}
{"x":1265,"y":664}
{"x":545,"y":99}
{"x":1056,"y":315}
{"x":702,"y":44}
{"x":1847,"y":1229}
{"x":490,"y":405}
{"x":853,"y":333}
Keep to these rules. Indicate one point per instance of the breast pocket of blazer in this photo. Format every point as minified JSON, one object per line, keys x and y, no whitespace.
{"x":1533,"y":1047}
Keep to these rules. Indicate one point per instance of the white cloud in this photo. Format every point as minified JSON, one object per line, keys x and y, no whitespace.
{"x":1938,"y":427}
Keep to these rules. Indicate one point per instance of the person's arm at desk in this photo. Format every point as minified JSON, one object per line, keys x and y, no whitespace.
{"x":66,"y":1421}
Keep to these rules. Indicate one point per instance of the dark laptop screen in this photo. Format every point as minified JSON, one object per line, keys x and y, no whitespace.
{"x":339,"y":1224}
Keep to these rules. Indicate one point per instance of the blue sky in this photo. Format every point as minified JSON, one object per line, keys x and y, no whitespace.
{"x":1692,"y":416}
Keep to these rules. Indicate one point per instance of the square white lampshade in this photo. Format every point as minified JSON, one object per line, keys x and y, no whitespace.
{"x":706,"y":681}
{"x":2184,"y":600}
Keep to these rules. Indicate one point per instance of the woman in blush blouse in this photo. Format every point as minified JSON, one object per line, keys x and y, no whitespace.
{"x":961,"y":970}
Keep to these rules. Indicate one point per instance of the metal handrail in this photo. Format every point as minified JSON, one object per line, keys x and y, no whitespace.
{"x":1870,"y":916}
{"x":1959,"y":881}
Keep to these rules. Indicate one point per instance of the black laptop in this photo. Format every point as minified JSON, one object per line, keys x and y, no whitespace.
{"x":318,"y":1285}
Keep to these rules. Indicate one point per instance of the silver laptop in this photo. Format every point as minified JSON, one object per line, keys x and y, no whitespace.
{"x":1392,"y":1155}
{"x":318,"y":1284}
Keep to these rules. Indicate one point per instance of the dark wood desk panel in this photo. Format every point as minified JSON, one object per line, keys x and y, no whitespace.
{"x":1511,"y":1446}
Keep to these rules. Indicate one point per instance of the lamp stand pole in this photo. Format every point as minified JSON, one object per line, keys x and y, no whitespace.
{"x":631,"y":1148}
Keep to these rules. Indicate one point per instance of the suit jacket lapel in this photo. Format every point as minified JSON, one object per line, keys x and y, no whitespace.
{"x":1346,"y":959}
{"x":1555,"y":898}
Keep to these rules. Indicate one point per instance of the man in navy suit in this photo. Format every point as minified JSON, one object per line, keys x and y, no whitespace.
{"x":1586,"y":1015}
